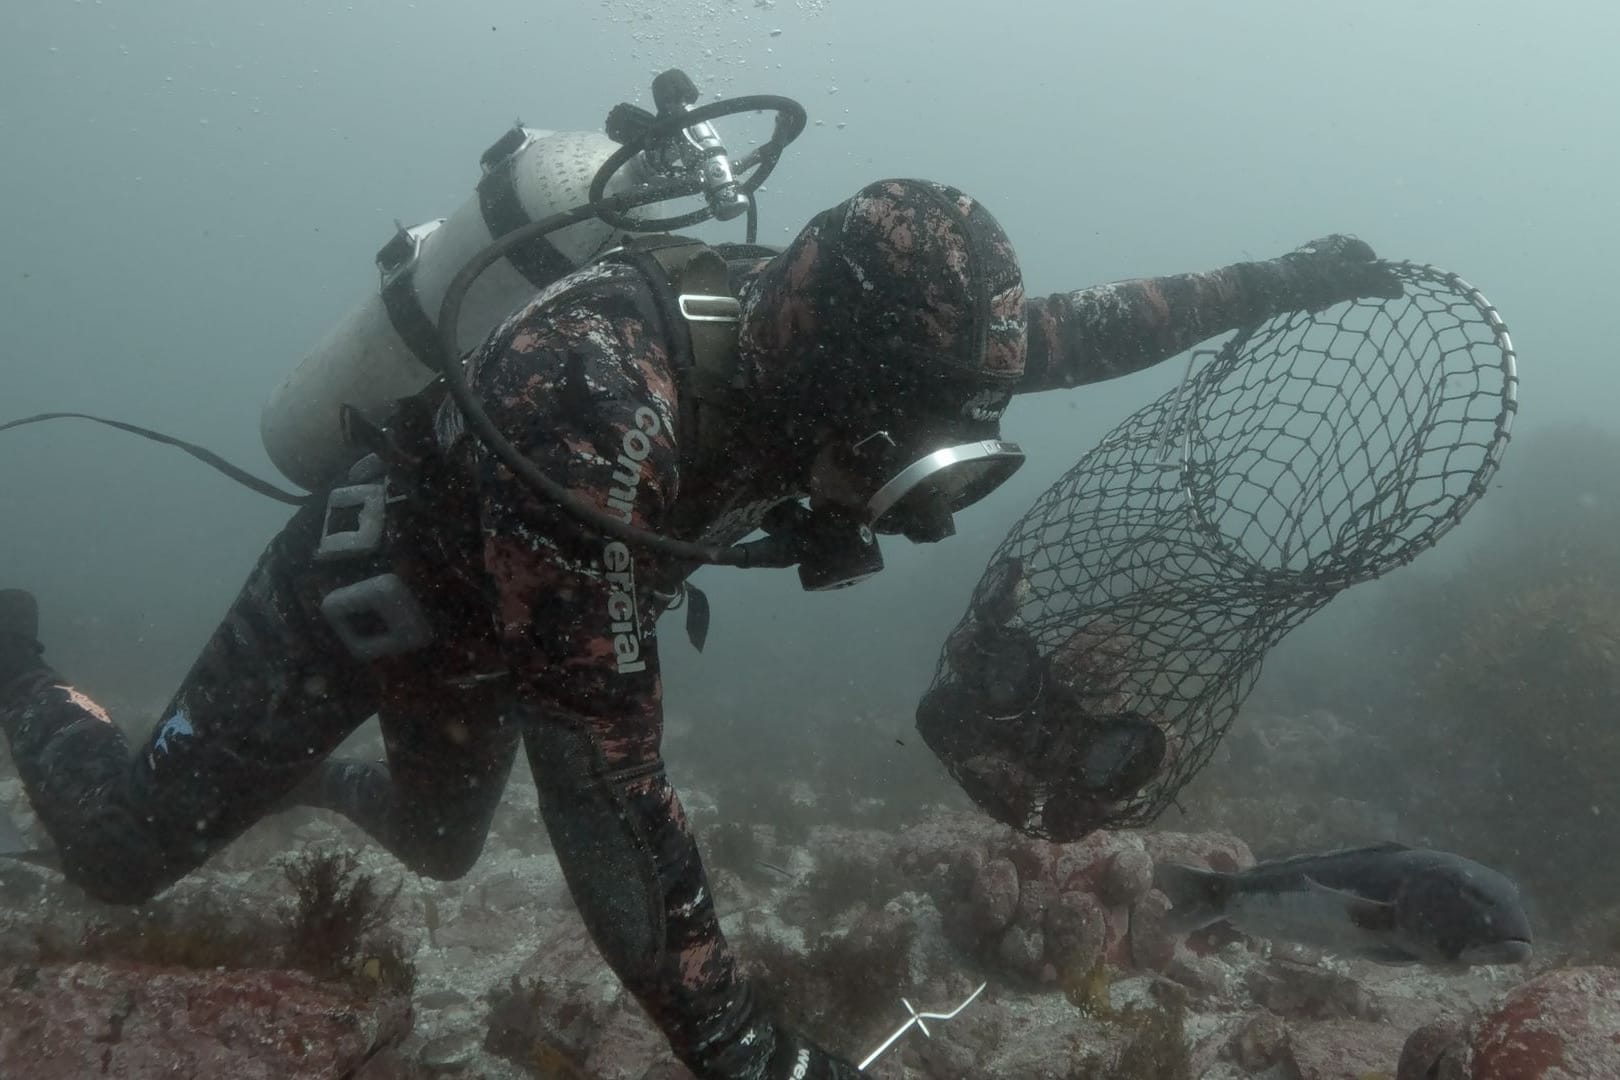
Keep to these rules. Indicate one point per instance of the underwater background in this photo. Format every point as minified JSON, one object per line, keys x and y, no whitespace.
{"x":194,"y":190}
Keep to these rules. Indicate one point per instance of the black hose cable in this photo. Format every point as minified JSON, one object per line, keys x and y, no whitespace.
{"x":207,"y":457}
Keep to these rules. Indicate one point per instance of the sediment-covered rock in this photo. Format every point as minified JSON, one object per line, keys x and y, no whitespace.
{"x":1072,"y":940}
{"x":70,"y":1021}
{"x":1561,"y":1025}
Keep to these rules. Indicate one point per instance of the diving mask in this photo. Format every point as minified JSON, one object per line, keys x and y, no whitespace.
{"x":918,"y":499}
{"x":835,"y":546}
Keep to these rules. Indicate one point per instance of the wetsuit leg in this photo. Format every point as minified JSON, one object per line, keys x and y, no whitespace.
{"x":271,"y":695}
{"x":450,"y":751}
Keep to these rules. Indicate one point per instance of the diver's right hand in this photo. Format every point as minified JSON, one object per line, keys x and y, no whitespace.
{"x":797,"y":1058}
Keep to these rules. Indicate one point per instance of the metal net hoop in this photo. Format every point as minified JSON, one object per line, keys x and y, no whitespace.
{"x":1324,"y":450}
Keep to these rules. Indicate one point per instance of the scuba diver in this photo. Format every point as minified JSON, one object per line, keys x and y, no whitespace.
{"x":851,"y":384}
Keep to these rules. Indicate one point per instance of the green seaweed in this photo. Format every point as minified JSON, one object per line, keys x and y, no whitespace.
{"x":1154,"y":1047}
{"x":331,"y":930}
{"x":1087,"y":989}
{"x":336,"y":911}
{"x":516,"y":1030}
{"x":843,"y":988}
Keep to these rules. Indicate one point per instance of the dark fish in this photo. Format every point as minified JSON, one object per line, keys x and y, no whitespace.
{"x":1389,"y":903}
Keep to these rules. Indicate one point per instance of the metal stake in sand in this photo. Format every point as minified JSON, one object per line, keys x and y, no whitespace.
{"x":917,"y":1018}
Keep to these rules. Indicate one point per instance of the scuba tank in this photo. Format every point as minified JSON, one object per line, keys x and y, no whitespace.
{"x":386,"y":347}
{"x":434,"y":304}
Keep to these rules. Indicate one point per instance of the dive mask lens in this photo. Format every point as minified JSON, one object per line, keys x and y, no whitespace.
{"x":918,"y":501}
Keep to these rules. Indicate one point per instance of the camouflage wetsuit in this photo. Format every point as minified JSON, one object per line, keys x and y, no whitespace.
{"x":545,"y":632}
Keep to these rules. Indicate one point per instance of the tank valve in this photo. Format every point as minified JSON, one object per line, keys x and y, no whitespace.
{"x":698,"y":147}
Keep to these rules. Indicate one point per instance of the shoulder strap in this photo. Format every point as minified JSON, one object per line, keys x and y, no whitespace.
{"x":710,"y":312}
{"x":696,"y":288}
{"x":691,"y":284}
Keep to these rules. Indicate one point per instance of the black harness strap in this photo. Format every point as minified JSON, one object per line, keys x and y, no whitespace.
{"x":662,"y":262}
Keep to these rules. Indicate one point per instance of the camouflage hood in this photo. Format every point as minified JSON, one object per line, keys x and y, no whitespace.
{"x":903,"y":303}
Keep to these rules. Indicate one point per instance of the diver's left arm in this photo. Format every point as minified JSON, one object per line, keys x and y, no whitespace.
{"x":1116,"y":329}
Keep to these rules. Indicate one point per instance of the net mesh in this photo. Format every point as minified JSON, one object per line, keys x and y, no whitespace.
{"x":1122,"y":622}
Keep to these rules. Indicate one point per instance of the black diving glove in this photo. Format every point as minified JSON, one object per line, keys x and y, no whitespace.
{"x":1332,"y":270}
{"x":797,"y":1058}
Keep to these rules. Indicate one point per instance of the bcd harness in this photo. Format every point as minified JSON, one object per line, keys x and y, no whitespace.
{"x":397,"y":490}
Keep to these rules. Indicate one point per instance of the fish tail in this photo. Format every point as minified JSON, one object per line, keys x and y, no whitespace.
{"x":1197,"y":897}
